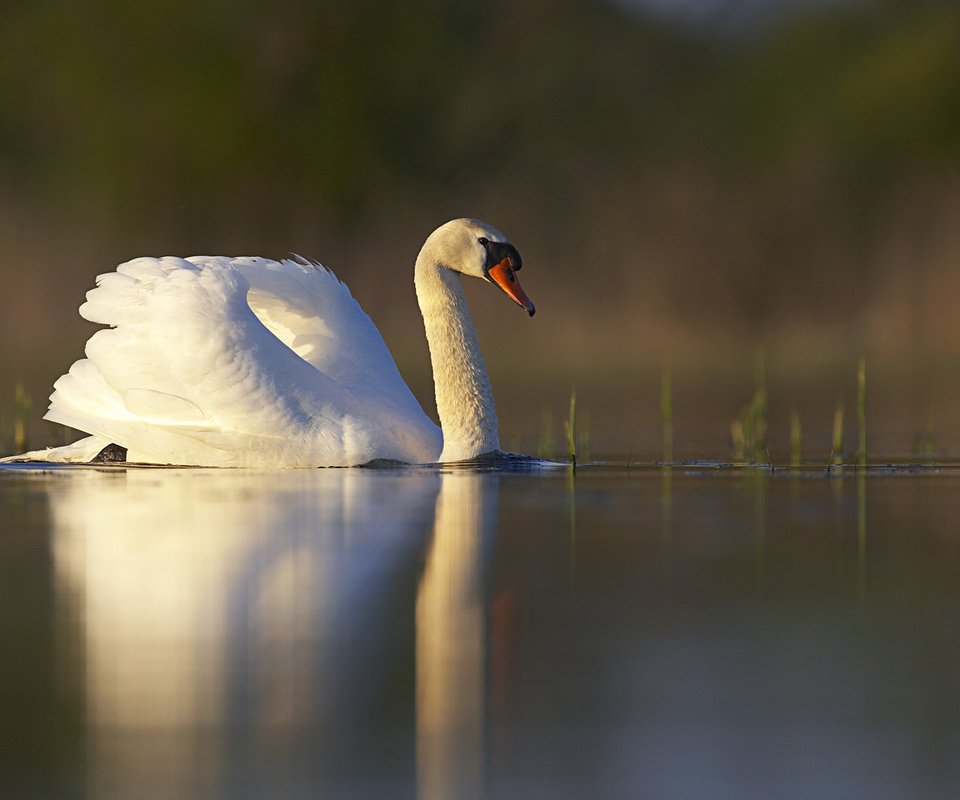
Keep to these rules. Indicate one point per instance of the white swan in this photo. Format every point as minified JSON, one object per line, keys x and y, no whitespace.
{"x":220,"y":361}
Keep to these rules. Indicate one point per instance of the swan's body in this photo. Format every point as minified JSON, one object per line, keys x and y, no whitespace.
{"x":221,"y":361}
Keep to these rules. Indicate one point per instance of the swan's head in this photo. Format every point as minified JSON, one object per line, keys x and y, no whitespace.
{"x":475,"y":248}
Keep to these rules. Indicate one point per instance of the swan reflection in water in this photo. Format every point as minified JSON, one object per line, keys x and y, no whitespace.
{"x":298,"y":633}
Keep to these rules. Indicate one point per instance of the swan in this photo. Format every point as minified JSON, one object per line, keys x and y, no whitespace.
{"x":249,"y":362}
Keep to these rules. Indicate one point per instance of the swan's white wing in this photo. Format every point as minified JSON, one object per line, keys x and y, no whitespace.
{"x":189,"y":374}
{"x":313,"y":313}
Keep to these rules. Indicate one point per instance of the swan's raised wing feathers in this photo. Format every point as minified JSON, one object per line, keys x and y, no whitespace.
{"x":314,"y":314}
{"x":189,"y":373}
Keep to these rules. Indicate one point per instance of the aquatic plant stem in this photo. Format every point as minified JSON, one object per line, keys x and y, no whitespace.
{"x":21,"y":414}
{"x":570,"y":426}
{"x":862,"y":412}
{"x":796,"y":439}
{"x":836,"y":453}
{"x":666,"y":413}
{"x":546,"y":434}
{"x":749,"y":433}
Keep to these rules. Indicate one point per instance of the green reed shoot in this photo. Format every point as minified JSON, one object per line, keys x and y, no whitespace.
{"x":570,"y":428}
{"x":583,"y":437}
{"x":21,"y":413}
{"x":738,"y":440}
{"x":836,"y":453}
{"x":862,"y":412}
{"x":546,"y":435}
{"x":924,"y":442}
{"x":749,"y":432}
{"x":796,"y":439}
{"x":666,"y":413}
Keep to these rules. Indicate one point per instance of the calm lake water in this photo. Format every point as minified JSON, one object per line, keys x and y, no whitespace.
{"x":425,"y":633}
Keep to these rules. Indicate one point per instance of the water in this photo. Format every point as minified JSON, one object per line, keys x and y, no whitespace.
{"x":418,"y":633}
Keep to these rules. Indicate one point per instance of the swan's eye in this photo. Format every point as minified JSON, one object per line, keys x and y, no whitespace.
{"x":484,"y":241}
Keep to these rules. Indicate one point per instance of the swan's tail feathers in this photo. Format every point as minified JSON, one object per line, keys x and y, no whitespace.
{"x":80,"y":452}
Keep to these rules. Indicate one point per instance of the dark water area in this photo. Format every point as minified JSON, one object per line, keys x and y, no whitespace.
{"x":460,"y":633}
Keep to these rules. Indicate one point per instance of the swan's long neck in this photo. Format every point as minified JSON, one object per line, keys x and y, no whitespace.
{"x":464,"y":397}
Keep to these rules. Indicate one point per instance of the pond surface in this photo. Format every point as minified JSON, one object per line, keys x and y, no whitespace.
{"x":424,"y":633}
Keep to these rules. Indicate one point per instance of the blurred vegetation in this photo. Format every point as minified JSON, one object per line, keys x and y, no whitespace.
{"x":800,"y":180}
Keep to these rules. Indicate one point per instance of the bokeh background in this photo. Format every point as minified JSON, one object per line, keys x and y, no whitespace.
{"x":696,"y":187}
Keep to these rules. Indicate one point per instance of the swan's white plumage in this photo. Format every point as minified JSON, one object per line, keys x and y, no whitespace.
{"x":219,"y":361}
{"x":239,"y":361}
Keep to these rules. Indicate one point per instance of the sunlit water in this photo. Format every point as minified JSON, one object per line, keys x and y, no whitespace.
{"x":423,"y":633}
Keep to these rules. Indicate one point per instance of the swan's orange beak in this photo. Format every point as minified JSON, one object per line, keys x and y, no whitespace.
{"x":504,"y":276}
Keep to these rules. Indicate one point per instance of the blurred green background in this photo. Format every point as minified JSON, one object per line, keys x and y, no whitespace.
{"x":690,"y":184}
